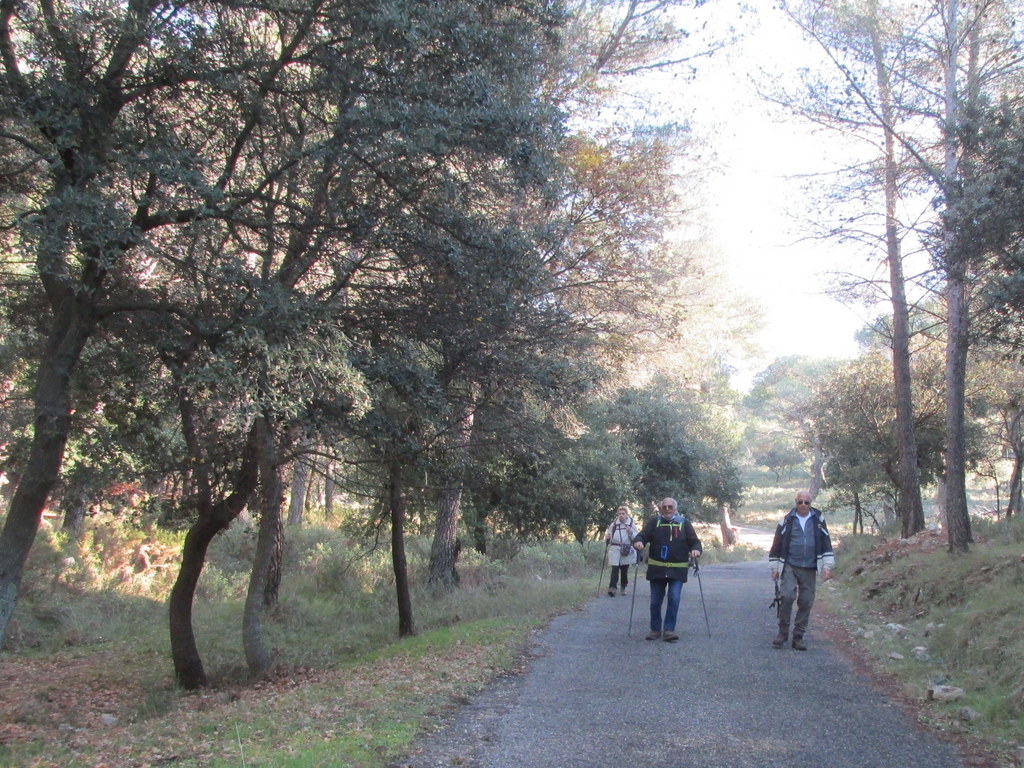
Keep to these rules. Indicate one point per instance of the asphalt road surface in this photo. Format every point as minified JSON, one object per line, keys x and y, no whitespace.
{"x":596,"y":694}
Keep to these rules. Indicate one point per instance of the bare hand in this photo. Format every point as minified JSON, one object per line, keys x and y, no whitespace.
{"x":826,"y":574}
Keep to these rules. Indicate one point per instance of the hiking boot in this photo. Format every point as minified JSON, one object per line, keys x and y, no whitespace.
{"x":611,"y":593}
{"x":652,"y":635}
{"x":780,"y":640}
{"x":622,"y":591}
{"x":798,"y":644}
{"x":670,"y":637}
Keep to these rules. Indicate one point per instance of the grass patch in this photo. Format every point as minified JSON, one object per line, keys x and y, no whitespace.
{"x":89,"y":680}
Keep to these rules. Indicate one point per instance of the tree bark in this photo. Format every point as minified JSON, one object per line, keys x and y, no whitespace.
{"x":74,"y":516}
{"x":442,"y":572}
{"x":1013,"y":500}
{"x":908,"y":498}
{"x":958,"y":519}
{"x":300,"y":486}
{"x":406,"y":625}
{"x":725,"y":526}
{"x":328,"y":490}
{"x":212,"y":519}
{"x":268,"y":544}
{"x":72,"y":325}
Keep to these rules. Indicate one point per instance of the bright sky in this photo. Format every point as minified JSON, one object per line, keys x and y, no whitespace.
{"x":757,"y":193}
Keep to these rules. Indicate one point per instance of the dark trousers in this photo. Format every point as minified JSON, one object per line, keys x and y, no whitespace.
{"x":796,"y":585}
{"x":619,"y":572}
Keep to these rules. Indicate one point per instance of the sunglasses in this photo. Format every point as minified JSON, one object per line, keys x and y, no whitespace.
{"x":803,"y":503}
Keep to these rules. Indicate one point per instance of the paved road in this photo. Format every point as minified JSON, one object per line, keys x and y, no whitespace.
{"x":594,"y":696}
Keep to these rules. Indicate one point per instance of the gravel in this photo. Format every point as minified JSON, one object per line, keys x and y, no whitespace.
{"x":595,"y":693}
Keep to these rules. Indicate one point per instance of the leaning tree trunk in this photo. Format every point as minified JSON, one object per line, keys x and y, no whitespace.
{"x":406,"y":626}
{"x":726,"y":527}
{"x":72,"y":325}
{"x":213,"y":518}
{"x":817,"y":468}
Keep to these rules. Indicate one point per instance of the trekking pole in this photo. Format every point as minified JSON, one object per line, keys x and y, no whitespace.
{"x":696,"y":570}
{"x":632,"y":602}
{"x":604,"y":559}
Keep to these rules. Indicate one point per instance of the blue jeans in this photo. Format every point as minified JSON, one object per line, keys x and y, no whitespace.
{"x":658,"y":589}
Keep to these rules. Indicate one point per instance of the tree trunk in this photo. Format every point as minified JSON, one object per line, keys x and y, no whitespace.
{"x":725,"y":526}
{"x":268,"y":543}
{"x":328,"y":490}
{"x":480,"y":528}
{"x":442,"y":572}
{"x":908,"y":496}
{"x":442,"y":552}
{"x":817,"y":469}
{"x":406,"y":626}
{"x":1013,"y":491}
{"x":71,"y":327}
{"x":958,"y":521}
{"x":74,"y":516}
{"x":212,"y":519}
{"x":300,"y":486}
{"x":8,"y":484}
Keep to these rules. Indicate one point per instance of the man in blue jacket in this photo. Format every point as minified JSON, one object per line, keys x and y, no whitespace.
{"x":801,"y":546}
{"x":673,"y":542}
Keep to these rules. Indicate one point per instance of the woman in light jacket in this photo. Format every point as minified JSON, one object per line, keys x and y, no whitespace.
{"x":621,"y":554}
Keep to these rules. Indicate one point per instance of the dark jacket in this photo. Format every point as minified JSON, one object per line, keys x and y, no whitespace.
{"x":670,"y":542}
{"x":784,"y":531}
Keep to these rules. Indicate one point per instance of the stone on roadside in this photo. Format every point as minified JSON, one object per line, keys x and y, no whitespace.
{"x":945,"y":693}
{"x":969,"y":715}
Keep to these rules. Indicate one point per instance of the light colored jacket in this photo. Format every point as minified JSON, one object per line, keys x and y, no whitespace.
{"x":615,"y":536}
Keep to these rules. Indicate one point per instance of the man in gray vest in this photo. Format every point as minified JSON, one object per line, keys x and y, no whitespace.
{"x":801,"y":546}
